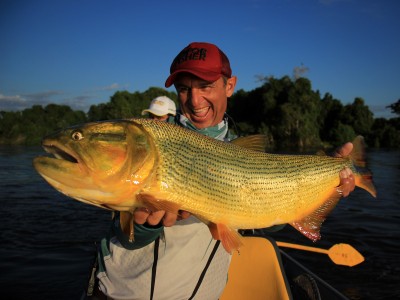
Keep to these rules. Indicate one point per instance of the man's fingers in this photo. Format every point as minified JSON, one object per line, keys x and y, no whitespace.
{"x":155,"y":217}
{"x":140,"y":214}
{"x":143,"y":215}
{"x":347,"y":183}
{"x":169,"y":219}
{"x":183,"y":214}
{"x":344,"y":151}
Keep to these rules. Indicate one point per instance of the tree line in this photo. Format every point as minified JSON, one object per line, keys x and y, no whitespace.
{"x":287,"y":111}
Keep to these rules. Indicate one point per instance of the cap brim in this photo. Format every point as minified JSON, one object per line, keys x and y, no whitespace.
{"x":205,"y":75}
{"x":156,"y":113}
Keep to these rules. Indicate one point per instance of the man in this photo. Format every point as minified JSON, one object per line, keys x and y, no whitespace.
{"x":161,"y":108}
{"x":181,"y":261}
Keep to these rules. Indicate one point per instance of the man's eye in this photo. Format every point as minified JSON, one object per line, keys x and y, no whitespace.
{"x":183,"y":90}
{"x":206,"y":87}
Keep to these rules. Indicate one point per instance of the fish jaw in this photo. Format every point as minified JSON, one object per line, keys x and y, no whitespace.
{"x":68,"y":173}
{"x":65,"y":168}
{"x":103,"y":163}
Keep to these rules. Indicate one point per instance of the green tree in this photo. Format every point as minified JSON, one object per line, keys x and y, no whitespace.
{"x":342,"y":133}
{"x":124,"y":104}
{"x":359,"y":116}
{"x":395,"y":107}
{"x":10,"y":127}
{"x":331,"y":114}
{"x":309,"y":103}
{"x":386,"y":133}
{"x":286,"y":110}
{"x":31,"y":125}
{"x":97,"y":112}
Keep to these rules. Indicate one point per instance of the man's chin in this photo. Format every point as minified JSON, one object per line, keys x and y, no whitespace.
{"x":201,"y":121}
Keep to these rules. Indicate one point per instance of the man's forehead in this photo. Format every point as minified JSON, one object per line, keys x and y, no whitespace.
{"x":190,"y":80}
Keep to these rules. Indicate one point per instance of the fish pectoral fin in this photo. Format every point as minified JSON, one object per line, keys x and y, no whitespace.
{"x":126,"y":222}
{"x":230,"y":238}
{"x":156,"y":201}
{"x":310,"y":226}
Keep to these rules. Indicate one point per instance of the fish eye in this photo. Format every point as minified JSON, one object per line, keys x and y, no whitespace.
{"x":77,"y":135}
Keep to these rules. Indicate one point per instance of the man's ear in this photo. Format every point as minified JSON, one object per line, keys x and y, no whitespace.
{"x":230,"y":86}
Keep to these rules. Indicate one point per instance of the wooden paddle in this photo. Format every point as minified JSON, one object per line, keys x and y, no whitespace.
{"x":340,"y":254}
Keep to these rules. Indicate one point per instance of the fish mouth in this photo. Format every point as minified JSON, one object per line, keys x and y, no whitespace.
{"x":60,"y":152}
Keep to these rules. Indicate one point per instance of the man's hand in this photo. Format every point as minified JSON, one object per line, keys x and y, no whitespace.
{"x":143,"y":215}
{"x":347,"y":183}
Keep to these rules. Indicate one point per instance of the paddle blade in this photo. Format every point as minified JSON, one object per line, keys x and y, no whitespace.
{"x":346,"y":255}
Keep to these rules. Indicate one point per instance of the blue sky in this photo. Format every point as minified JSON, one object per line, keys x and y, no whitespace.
{"x":81,"y":52}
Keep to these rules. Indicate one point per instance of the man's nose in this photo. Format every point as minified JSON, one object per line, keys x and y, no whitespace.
{"x":195,"y":96}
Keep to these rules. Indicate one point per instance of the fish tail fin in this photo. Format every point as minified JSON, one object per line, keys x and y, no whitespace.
{"x":310,"y":225}
{"x":363,"y":177}
{"x":230,"y":238}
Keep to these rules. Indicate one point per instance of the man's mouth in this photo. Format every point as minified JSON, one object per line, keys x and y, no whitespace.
{"x":201,"y":112}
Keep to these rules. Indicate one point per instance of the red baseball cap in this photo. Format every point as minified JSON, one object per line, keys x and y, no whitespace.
{"x":203,"y":60}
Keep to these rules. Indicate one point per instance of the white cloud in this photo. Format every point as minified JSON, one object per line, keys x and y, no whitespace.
{"x":112,"y":87}
{"x":12,"y":103}
{"x":382,"y":111}
{"x":21,"y":102}
{"x":78,"y":103}
{"x":45,"y":96}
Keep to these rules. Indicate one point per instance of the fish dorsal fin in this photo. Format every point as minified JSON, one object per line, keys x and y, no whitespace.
{"x":310,"y":225}
{"x":257,"y":142}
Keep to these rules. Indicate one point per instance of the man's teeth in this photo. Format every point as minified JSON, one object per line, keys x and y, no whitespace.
{"x":200,"y":110}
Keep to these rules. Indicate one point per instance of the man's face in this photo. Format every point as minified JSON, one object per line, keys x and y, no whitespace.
{"x":160,"y":118}
{"x":202,"y":102}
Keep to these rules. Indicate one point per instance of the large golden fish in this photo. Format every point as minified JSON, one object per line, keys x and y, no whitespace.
{"x":125,"y":164}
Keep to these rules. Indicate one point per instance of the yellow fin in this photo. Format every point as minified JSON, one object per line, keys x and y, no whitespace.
{"x":126,"y":221}
{"x":364,"y":177}
{"x":257,"y":142}
{"x":310,"y":226}
{"x":156,"y":201}
{"x":230,"y":238}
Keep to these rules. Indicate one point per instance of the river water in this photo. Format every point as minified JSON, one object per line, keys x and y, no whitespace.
{"x":48,"y":239}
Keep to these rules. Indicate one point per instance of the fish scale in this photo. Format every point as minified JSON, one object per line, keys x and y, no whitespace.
{"x":247,"y":188}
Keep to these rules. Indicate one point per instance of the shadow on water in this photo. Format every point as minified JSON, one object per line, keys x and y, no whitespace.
{"x":48,"y":239}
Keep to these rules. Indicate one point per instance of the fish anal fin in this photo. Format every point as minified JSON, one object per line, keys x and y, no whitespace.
{"x":257,"y":142}
{"x":126,"y":221}
{"x":156,"y":201}
{"x":310,"y":225}
{"x":230,"y":238}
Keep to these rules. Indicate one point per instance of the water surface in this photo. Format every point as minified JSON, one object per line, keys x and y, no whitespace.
{"x":48,"y":239}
